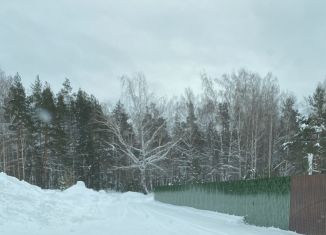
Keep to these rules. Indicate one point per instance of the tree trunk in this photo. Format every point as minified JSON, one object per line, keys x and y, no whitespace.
{"x":17,"y":156}
{"x":270,"y":148}
{"x":143,"y":180}
{"x":22,"y":157}
{"x":310,"y":163}
{"x":239,"y":152}
{"x":4,"y":155}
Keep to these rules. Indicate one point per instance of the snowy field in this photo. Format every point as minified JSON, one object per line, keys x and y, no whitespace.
{"x":28,"y":210}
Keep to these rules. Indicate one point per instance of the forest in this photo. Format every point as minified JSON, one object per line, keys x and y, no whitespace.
{"x":239,"y":126}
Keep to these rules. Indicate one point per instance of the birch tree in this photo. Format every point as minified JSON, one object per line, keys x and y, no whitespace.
{"x":148,"y":150}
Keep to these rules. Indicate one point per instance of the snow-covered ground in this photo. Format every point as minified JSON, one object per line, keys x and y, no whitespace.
{"x":28,"y":210}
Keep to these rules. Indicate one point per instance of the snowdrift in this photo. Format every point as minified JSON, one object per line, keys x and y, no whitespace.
{"x":28,"y":210}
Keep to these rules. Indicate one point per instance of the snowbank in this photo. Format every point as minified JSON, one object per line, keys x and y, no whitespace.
{"x":27,"y":209}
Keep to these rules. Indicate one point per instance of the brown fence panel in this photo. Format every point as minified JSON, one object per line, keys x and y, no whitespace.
{"x":308,"y":204}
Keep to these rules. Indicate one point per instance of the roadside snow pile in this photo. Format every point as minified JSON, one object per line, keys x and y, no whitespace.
{"x":21,"y":202}
{"x":27,"y":209}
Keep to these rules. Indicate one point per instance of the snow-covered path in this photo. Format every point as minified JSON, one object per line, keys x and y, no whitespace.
{"x":28,"y":210}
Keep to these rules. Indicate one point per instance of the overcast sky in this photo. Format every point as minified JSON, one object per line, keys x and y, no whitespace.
{"x":172,"y":42}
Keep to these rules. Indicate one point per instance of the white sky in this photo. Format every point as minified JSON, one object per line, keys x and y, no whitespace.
{"x":94,"y":42}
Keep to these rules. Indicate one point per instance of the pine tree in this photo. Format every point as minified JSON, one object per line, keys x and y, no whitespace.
{"x":212,"y":153}
{"x":156,"y":129}
{"x":89,"y":146}
{"x":317,"y":103}
{"x":46,"y":115}
{"x":123,"y":179}
{"x":179,"y":155}
{"x":82,"y":110}
{"x":16,"y":113}
{"x":63,"y":134}
{"x":225,"y":137}
{"x":316,"y":128}
{"x":99,"y":146}
{"x":35,"y":127}
{"x":311,"y":139}
{"x":288,"y":131}
{"x":195,"y":143}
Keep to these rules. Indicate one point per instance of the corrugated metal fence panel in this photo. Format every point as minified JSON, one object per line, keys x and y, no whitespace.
{"x":308,"y":204}
{"x":264,"y":202}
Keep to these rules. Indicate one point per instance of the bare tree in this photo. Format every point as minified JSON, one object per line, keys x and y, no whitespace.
{"x":148,"y":151}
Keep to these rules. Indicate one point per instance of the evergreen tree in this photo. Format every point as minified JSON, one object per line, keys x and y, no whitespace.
{"x":123,"y":179}
{"x":311,"y":139}
{"x":98,"y":141}
{"x":35,"y":127}
{"x":89,"y":146}
{"x":82,"y":111}
{"x":288,"y":132}
{"x":195,"y":143}
{"x":63,"y":134}
{"x":46,"y":115}
{"x":317,"y":103}
{"x":212,"y":153}
{"x":156,"y":129}
{"x":179,"y":156}
{"x":225,"y":144}
{"x":16,"y":113}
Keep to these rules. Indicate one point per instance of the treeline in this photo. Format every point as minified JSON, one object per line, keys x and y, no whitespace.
{"x":241,"y":126}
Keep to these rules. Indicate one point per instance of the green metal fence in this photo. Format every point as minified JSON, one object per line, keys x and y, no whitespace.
{"x":262,"y":202}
